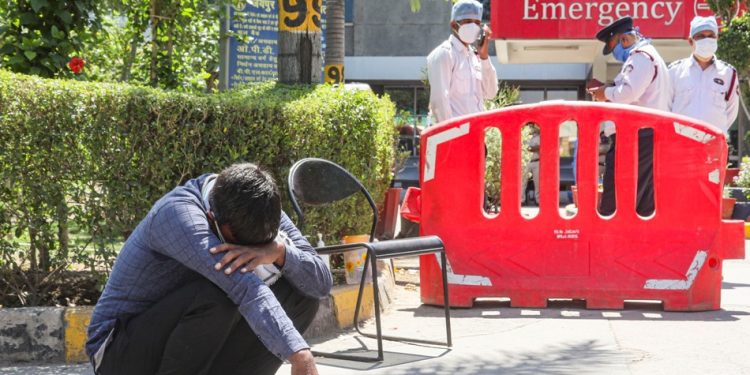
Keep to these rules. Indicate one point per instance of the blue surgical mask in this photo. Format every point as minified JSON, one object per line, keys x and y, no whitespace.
{"x":620,"y":53}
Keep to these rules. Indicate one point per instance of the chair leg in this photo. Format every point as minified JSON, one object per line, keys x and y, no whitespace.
{"x":370,"y":261}
{"x":446,"y":302}
{"x":371,"y":258}
{"x":348,"y":357}
{"x":362,"y":283}
{"x":376,"y":299}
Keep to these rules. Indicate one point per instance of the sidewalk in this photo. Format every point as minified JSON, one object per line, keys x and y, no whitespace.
{"x":565,"y":338}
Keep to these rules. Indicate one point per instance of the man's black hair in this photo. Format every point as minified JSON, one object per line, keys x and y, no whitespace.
{"x":247,"y":199}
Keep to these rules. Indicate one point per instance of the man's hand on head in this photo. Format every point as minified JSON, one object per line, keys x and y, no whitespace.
{"x":247,"y":258}
{"x":303,"y":363}
{"x":484,"y":49}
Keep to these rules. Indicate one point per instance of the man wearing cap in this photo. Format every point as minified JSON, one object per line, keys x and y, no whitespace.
{"x":704,"y":87}
{"x":643,"y":81}
{"x":461,"y":76}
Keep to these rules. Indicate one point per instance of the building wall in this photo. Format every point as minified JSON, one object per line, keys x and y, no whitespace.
{"x":390,"y":28}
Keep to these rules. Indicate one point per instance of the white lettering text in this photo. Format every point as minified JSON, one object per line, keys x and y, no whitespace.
{"x":644,"y":11}
{"x":672,"y":13}
{"x":605,"y":18}
{"x":554,"y":9}
{"x":574,"y":11}
{"x":604,"y":12}
{"x":529,"y":7}
{"x":622,"y":9}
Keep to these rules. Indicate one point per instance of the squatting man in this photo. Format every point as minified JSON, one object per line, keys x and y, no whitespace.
{"x":214,"y":280}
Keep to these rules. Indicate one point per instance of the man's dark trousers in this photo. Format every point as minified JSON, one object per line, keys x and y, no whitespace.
{"x":645,"y":194}
{"x":197,"y":329}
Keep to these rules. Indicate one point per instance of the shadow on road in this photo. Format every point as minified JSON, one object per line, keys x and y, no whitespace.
{"x":390,"y":359}
{"x":562,"y":359}
{"x":576,"y":309}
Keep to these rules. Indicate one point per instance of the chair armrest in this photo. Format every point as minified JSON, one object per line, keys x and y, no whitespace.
{"x":407,"y":247}
{"x":391,"y":248}
{"x":335,"y":249}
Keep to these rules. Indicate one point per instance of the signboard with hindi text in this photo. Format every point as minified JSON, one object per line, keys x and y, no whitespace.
{"x":254,"y":56}
{"x":256,"y":60}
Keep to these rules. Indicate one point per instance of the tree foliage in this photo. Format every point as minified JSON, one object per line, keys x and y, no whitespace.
{"x":734,"y":45}
{"x":416,"y":5}
{"x":507,"y":95}
{"x":41,"y":36}
{"x":172,"y":44}
{"x":734,"y":40}
{"x":726,"y":10}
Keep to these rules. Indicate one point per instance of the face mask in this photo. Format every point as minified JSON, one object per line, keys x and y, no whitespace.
{"x":705,"y":48}
{"x":468,"y":33}
{"x":621,"y":54}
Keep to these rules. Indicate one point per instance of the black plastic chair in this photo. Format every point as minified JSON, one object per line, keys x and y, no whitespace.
{"x":319,"y":182}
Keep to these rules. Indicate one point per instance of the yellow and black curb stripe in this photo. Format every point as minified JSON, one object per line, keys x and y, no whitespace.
{"x":76,"y":322}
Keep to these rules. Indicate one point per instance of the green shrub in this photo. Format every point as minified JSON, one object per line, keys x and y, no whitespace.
{"x":734,"y":45}
{"x":507,"y":95}
{"x":81,"y":163}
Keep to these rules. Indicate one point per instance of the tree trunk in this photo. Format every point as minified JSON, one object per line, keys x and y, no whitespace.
{"x":154,"y":44}
{"x":335,"y":42}
{"x":63,"y":237}
{"x":299,"y":41}
{"x":129,"y":59}
{"x":33,"y":262}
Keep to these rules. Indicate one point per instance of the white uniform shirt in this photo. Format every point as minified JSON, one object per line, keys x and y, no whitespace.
{"x":643,"y":81}
{"x":709,"y":95}
{"x":459,"y":80}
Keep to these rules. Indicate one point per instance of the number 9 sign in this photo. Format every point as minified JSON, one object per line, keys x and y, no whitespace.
{"x":334,"y":74}
{"x":299,"y":15}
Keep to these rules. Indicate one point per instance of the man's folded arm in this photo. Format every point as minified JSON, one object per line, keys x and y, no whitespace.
{"x":303,"y":268}
{"x":180,"y":230}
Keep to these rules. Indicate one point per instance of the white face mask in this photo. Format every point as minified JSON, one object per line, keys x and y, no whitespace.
{"x":705,"y":48}
{"x":469,"y":32}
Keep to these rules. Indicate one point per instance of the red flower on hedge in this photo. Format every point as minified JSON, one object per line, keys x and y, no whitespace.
{"x":76,"y":64}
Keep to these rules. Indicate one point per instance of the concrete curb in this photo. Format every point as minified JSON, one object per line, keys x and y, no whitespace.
{"x":31,"y":334}
{"x":57,"y":334}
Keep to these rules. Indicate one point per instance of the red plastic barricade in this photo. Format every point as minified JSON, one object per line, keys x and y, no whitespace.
{"x":674,"y":256}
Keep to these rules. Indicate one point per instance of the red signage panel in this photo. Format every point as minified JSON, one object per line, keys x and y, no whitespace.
{"x":581,"y":19}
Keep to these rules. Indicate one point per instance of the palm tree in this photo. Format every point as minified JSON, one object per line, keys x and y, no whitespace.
{"x":335,"y":45}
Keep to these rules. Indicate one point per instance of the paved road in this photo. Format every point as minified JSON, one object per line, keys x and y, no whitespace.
{"x":493,"y":338}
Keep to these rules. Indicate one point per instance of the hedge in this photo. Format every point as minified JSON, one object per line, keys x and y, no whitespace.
{"x":82,"y":163}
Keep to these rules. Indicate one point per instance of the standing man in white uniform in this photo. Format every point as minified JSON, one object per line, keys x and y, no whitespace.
{"x":643,"y":81}
{"x":461,"y":77}
{"x":704,"y":87}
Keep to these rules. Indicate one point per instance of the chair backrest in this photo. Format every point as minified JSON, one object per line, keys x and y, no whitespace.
{"x":318,"y":182}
